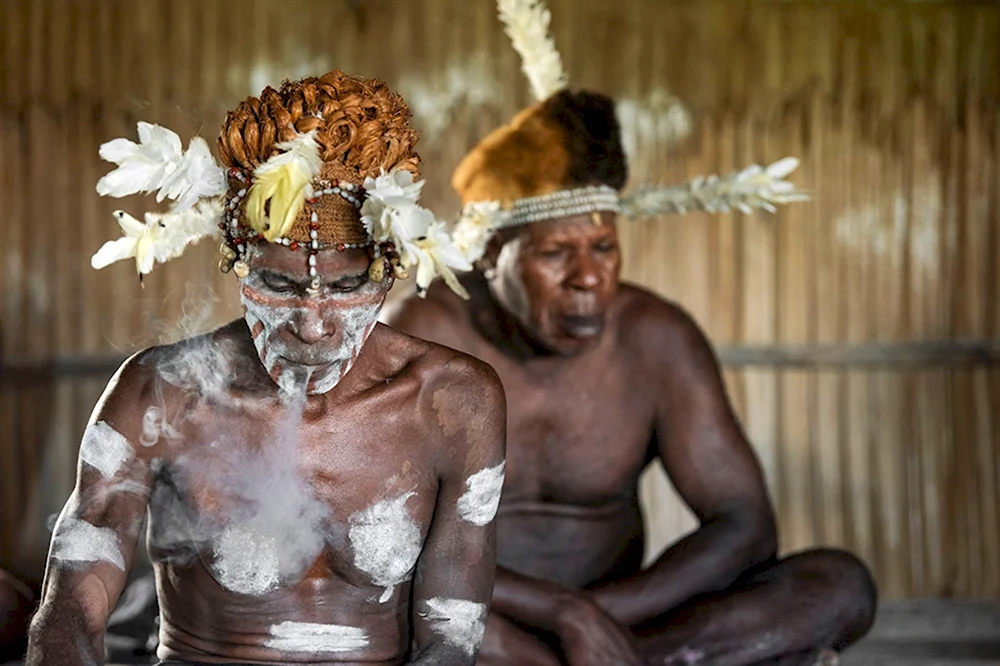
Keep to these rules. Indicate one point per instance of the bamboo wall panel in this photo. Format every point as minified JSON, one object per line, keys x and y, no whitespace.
{"x":894,"y":108}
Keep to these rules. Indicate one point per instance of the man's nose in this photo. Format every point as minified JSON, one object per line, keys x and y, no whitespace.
{"x":584,"y":272}
{"x":310,"y":326}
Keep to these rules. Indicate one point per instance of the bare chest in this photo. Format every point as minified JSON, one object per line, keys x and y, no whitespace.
{"x":578,"y":435}
{"x":272,"y":503}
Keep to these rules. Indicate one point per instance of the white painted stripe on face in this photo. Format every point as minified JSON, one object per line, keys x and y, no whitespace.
{"x":481,"y":499}
{"x":79,"y":541}
{"x":461,"y":623}
{"x":104,"y":448}
{"x":386,"y":542}
{"x":312,"y":637}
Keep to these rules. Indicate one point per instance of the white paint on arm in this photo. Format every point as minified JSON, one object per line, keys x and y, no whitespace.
{"x":311,"y":637}
{"x":78,"y":541}
{"x":459,"y":622}
{"x":386,"y":542}
{"x":105,"y":449}
{"x":481,"y":499}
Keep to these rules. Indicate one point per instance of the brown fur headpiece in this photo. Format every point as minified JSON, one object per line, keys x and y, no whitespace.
{"x":570,"y":140}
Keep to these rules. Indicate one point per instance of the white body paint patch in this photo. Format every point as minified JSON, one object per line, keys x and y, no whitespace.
{"x":386,"y":542}
{"x":105,"y":448}
{"x":479,"y":503}
{"x":151,"y":426}
{"x":79,"y":541}
{"x":461,"y":623}
{"x":246,"y":562}
{"x":311,"y":637}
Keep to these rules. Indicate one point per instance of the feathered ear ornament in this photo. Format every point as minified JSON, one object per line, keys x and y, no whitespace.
{"x":753,"y":187}
{"x":391,"y":215}
{"x":192,"y":179}
{"x":286,"y":181}
{"x":527,"y":25}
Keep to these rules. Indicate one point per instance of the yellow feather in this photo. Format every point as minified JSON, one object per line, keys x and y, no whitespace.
{"x":283,"y":180}
{"x":285,"y":187}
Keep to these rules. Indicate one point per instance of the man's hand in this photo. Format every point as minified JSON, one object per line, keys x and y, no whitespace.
{"x":590,"y":637}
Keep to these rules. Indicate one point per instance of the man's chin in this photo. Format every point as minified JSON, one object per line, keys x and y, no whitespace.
{"x":572,"y":344}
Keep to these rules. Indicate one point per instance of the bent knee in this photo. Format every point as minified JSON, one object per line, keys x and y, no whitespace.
{"x":848,"y":585}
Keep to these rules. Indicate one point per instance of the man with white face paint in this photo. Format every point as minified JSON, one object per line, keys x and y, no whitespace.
{"x":320,"y":488}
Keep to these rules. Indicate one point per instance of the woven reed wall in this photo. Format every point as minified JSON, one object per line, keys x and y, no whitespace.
{"x":859,"y":330}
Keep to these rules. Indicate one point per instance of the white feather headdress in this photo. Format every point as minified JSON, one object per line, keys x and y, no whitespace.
{"x":192,"y":179}
{"x":753,"y":187}
{"x":527,"y":24}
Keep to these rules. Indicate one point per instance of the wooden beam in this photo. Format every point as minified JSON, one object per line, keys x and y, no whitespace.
{"x":855,"y":356}
{"x":863,"y":355}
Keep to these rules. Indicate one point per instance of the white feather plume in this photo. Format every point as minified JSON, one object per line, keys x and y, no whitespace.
{"x":391,"y":214}
{"x":158,"y":164}
{"x":163,"y":236}
{"x":753,"y":187}
{"x":527,"y":25}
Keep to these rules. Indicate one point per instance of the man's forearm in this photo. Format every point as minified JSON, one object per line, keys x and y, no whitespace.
{"x":61,"y":638}
{"x":708,"y":560}
{"x":528,"y":600}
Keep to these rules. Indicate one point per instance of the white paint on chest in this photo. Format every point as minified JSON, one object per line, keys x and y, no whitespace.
{"x":246,"y":561}
{"x":481,"y":499}
{"x":104,"y":448}
{"x":151,"y":426}
{"x":79,"y":541}
{"x":386,"y":542}
{"x":461,"y":623}
{"x":312,"y":637}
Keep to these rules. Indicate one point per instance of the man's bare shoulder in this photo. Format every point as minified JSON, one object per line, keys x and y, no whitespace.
{"x":441,"y":315}
{"x":435,"y":365}
{"x":661,"y":331}
{"x":457,"y":391}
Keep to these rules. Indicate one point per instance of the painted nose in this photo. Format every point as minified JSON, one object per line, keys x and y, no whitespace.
{"x":584,"y":275}
{"x":310,"y":326}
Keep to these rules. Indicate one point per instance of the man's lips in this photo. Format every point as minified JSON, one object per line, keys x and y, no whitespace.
{"x":582,"y":326}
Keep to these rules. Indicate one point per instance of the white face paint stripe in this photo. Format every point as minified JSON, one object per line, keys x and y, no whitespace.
{"x":479,"y":503}
{"x":79,"y":541}
{"x":461,"y":623}
{"x":311,"y":637}
{"x":104,"y":448}
{"x":386,"y":542}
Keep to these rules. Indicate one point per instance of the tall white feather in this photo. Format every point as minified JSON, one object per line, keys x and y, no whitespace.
{"x":753,"y":187}
{"x":527,"y":24}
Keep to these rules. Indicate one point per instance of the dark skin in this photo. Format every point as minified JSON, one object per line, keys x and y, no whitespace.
{"x":602,"y":378}
{"x":396,"y":426}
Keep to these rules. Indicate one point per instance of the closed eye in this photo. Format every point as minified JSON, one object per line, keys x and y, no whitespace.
{"x":550,"y":252}
{"x":350,"y":283}
{"x":278,"y":283}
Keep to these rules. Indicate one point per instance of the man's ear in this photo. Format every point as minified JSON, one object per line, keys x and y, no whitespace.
{"x":488,"y":261}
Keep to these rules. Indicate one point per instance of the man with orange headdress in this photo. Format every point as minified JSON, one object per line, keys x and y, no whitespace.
{"x":602,"y":378}
{"x":318,"y":490}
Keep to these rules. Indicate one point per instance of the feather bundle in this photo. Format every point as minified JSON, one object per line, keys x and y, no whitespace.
{"x":391,"y":214}
{"x":285,"y":181}
{"x":527,"y":25}
{"x":163,"y":236}
{"x":158,"y":164}
{"x":753,"y":187}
